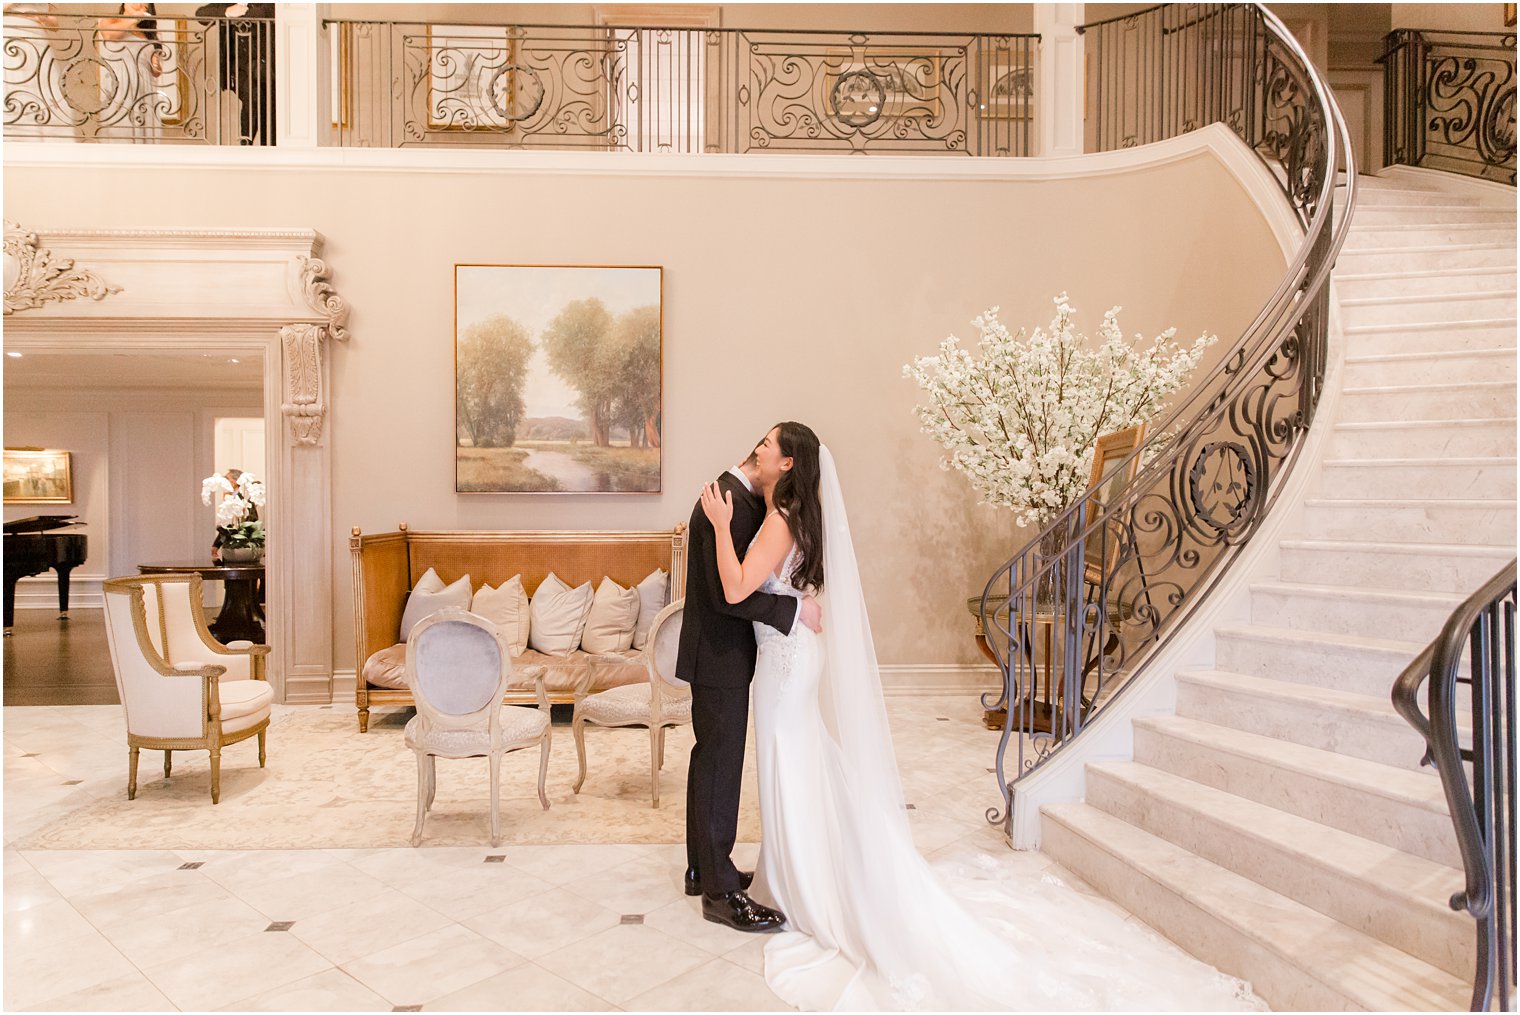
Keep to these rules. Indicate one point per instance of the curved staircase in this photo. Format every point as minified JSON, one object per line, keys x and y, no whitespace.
{"x":1278,"y":825}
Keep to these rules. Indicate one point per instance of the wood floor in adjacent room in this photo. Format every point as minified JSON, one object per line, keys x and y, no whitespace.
{"x":59,"y":662}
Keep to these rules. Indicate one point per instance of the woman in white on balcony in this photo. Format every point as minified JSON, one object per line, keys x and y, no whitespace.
{"x":870,"y":925}
{"x":132,"y":101}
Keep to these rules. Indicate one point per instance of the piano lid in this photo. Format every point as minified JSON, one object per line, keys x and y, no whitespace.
{"x":41,"y":523}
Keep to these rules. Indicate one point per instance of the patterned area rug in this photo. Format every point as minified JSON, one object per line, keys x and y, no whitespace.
{"x":329,"y":786}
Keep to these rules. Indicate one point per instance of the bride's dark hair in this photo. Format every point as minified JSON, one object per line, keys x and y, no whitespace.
{"x":796,"y":497}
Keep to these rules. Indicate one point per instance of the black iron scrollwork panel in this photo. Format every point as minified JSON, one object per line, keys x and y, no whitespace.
{"x":1449,"y":100}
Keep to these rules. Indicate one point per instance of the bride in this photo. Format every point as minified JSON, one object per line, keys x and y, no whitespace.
{"x":870,"y":925}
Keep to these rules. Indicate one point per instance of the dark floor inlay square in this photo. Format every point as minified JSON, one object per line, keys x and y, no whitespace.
{"x":407,"y":1007}
{"x":193,"y":865}
{"x":913,"y":807}
{"x":942,"y":718}
{"x":497,"y":858}
{"x":280,"y":925}
{"x":992,"y":771}
{"x":72,"y":782}
{"x":31,"y":755}
{"x":633,"y":918}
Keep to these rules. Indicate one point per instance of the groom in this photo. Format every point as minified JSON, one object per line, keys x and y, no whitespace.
{"x":717,"y":657}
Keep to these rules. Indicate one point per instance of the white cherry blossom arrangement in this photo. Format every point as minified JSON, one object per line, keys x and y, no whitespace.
{"x":1022,"y":421}
{"x":238,"y":504}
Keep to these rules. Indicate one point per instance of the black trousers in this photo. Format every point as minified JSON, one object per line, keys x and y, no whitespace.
{"x":720,"y":720}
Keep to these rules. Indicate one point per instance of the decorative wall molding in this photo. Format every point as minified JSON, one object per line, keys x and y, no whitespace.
{"x":42,"y":278}
{"x":234,"y":291}
{"x":323,"y":298}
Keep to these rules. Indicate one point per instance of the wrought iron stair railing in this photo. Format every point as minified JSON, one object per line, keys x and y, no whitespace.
{"x":1449,"y":102}
{"x":1482,"y":805}
{"x":1108,"y":582}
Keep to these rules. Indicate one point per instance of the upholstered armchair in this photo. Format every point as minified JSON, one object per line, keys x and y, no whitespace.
{"x":181,"y":690}
{"x":657,"y":705}
{"x":458,"y":666}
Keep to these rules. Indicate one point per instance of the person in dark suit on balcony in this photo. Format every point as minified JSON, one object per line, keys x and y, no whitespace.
{"x":245,"y":64}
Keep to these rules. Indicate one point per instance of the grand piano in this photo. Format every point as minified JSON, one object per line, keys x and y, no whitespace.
{"x":32,"y":547}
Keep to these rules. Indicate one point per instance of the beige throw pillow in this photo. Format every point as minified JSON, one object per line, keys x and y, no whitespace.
{"x":506,"y":606}
{"x":614,"y":615}
{"x":429,"y":596}
{"x":557,"y":616}
{"x":654,"y":594}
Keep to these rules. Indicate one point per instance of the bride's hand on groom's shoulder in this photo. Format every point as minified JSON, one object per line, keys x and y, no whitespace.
{"x":717,"y":505}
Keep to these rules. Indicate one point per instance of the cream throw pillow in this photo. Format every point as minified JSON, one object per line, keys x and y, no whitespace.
{"x":506,"y":606}
{"x":429,"y":596}
{"x":557,"y":616}
{"x":654,"y":593}
{"x":614,"y":615}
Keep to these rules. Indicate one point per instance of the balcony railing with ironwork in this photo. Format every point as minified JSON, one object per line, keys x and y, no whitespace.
{"x":1109,"y":581}
{"x":1449,"y":102}
{"x":138,"y":80}
{"x":598,"y":88}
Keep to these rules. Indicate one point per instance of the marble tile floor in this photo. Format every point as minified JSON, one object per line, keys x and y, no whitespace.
{"x":517,"y":928}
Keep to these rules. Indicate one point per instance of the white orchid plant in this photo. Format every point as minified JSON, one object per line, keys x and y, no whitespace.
{"x":236,"y":508}
{"x":1022,"y":421}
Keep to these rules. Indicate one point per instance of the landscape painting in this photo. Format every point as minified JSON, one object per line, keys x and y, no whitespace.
{"x":557,"y":379}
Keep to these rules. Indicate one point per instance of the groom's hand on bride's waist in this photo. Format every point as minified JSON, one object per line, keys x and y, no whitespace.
{"x":811,"y":615}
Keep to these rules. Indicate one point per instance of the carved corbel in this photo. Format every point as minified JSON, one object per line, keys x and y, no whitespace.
{"x":323,"y":298}
{"x":304,"y":405}
{"x":40,"y":278}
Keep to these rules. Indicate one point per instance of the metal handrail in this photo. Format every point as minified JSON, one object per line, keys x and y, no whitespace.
{"x":1483,"y":810}
{"x":1288,"y":330}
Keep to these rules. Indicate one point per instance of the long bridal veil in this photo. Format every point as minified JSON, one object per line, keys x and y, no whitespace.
{"x":922,"y":937}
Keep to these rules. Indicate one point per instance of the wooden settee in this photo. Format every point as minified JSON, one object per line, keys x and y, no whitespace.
{"x":388,"y":564}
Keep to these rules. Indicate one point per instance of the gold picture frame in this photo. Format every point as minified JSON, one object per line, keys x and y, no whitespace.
{"x":38,"y":476}
{"x":1009,"y":83}
{"x":559,"y":374}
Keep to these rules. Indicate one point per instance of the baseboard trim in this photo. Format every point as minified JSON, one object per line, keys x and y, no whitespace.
{"x":41,"y":593}
{"x":344,"y":682}
{"x":939,"y":678}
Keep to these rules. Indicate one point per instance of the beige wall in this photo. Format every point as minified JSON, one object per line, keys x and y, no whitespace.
{"x":784,"y":298}
{"x":1451,"y":17}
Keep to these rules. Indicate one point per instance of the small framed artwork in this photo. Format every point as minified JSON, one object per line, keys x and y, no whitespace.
{"x":1509,"y":15}
{"x":558,"y":375}
{"x":35,"y":476}
{"x":1010,"y":86}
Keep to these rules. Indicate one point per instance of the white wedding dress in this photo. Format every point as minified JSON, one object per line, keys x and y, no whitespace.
{"x":870,"y":925}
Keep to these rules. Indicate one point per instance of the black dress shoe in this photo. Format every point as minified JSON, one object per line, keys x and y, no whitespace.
{"x":741,"y":912}
{"x":694,"y":881}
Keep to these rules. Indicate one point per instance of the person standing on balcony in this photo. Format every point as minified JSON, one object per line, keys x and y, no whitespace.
{"x":130,"y":48}
{"x":245,"y":64}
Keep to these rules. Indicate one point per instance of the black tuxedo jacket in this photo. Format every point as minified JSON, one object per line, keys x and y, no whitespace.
{"x":717,"y":640}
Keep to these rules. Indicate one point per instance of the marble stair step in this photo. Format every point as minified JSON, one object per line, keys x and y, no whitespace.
{"x":1394,"y":806}
{"x":1411,"y":521}
{"x":1470,"y":400}
{"x":1424,"y":438}
{"x":1357,"y":725}
{"x":1379,"y":196}
{"x":1452,"y":336}
{"x":1361,"y":663}
{"x":1428,"y":308}
{"x":1433,"y":367}
{"x":1388,"y":894}
{"x":1295,"y":958}
{"x":1415,"y":616}
{"x":1436,"y":567}
{"x":1381,"y":236}
{"x":1407,"y":212}
{"x":1423,"y":283}
{"x":1426,"y":257}
{"x":1425,"y":478}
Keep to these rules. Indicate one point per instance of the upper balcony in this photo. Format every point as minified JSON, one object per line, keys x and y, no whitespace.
{"x":218,"y":80}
